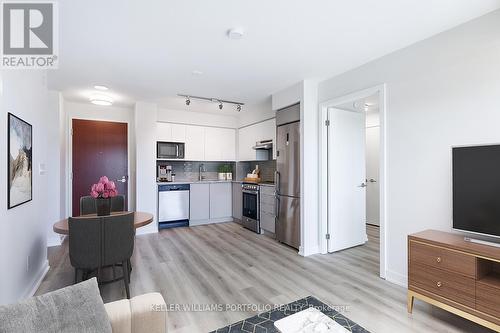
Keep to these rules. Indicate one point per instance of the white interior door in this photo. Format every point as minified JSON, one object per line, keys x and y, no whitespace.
{"x":372,"y":175}
{"x":346,"y":179}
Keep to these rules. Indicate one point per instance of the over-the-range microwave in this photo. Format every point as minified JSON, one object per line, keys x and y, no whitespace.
{"x":169,"y":150}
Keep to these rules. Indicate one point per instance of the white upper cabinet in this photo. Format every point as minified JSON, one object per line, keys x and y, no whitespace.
{"x":220,"y":144}
{"x":178,"y":133}
{"x":164,"y":132}
{"x":171,"y":132}
{"x":248,"y":136}
{"x":195,"y":143}
{"x":202,"y":143}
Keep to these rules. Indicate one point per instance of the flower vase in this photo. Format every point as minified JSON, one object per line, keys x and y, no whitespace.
{"x":103,"y":206}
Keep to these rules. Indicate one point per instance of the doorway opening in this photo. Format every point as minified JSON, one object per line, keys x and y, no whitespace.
{"x":353,"y":174}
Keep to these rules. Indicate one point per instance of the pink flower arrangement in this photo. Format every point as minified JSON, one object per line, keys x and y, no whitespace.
{"x":105,"y":188}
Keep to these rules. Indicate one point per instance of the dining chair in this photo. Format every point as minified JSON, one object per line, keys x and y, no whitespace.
{"x":118,"y":245}
{"x":87,"y":205}
{"x":85,"y":240}
{"x":118,"y":203}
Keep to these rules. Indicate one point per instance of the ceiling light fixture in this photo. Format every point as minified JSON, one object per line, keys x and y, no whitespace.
{"x":196,"y":72}
{"x":235,"y":33}
{"x":221,"y":102}
{"x":100,"y":87}
{"x":102,"y":100}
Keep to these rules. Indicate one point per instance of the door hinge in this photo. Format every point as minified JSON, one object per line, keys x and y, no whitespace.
{"x":327,"y":236}
{"x":327,"y":122}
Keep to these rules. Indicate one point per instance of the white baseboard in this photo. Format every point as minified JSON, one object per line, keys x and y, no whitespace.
{"x":38,"y":280}
{"x":309,"y":251}
{"x":146,"y":230}
{"x":396,"y":278}
{"x":54,"y":240}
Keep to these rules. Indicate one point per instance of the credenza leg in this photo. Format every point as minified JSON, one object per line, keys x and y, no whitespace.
{"x":410,"y":302}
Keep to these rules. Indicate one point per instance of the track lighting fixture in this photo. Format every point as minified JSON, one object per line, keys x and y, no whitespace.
{"x":221,"y":102}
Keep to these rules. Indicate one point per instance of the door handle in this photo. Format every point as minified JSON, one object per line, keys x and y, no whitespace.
{"x":277,"y":179}
{"x":122,"y":180}
{"x":176,"y":150}
{"x":372,"y":180}
{"x":362,"y":185}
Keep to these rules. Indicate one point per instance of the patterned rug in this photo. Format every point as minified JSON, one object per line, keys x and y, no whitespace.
{"x":264,"y":322}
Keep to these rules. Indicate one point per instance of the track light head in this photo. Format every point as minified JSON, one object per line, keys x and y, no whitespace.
{"x":221,"y":105}
{"x":238,"y":107}
{"x":188,"y":101}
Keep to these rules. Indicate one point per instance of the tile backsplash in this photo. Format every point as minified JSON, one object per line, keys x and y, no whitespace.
{"x":189,"y":170}
{"x":267,"y":169}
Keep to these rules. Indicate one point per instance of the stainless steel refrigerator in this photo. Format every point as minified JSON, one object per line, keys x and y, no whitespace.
{"x":288,"y":176}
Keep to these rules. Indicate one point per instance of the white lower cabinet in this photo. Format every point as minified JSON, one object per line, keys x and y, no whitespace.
{"x":210,"y":203}
{"x":199,"y":202}
{"x":221,"y":200}
{"x":267,"y":209}
{"x":237,"y":201}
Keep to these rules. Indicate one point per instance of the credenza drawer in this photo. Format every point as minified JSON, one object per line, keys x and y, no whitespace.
{"x":437,"y":257}
{"x":488,"y":299}
{"x":452,"y":286}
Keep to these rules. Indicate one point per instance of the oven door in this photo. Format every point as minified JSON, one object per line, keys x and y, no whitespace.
{"x":251,"y":205}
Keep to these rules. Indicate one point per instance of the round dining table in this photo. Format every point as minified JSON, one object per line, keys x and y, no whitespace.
{"x":140,"y":219}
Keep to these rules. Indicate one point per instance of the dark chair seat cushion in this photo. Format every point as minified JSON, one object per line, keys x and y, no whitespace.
{"x":77,"y":308}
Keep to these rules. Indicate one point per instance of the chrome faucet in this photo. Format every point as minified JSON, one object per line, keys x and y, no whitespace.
{"x":201,"y":170}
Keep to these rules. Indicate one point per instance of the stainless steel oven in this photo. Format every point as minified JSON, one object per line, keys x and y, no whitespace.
{"x":251,"y":218}
{"x":169,"y":150}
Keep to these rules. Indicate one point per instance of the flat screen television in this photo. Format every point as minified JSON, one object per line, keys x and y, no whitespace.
{"x":476,"y":189}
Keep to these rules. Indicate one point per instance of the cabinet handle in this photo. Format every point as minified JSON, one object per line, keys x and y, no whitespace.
{"x":438,"y":259}
{"x":439,"y":284}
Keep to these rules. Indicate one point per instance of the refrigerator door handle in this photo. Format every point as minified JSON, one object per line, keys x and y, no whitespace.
{"x":277,"y":179}
{"x":277,"y":209}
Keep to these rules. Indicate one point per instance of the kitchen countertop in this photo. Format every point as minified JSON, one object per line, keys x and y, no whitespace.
{"x":206,"y":181}
{"x":209,"y":182}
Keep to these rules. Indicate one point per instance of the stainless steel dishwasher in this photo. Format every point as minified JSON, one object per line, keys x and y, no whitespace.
{"x":173,"y":206}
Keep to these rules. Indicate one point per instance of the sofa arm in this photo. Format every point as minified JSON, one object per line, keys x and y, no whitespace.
{"x":145,"y":313}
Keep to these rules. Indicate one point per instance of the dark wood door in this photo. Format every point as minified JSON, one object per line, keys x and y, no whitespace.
{"x":100,"y":148}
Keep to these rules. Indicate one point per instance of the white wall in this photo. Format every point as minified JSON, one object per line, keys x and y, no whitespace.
{"x":74,"y":110}
{"x":23,"y":230}
{"x":251,"y":114}
{"x":441,"y":92}
{"x":197,"y":118}
{"x":145,"y":138}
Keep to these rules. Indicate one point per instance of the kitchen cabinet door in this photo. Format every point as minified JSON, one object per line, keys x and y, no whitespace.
{"x":163,"y":132}
{"x":199,"y":202}
{"x":246,"y":140}
{"x":267,"y":208}
{"x":178,"y":133}
{"x":237,"y":201}
{"x":195,"y":143}
{"x":248,"y":136}
{"x":221,"y":203}
{"x":227,"y":138}
{"x":213,"y":139}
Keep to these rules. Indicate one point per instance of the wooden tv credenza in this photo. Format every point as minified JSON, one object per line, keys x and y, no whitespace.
{"x":456,"y":275}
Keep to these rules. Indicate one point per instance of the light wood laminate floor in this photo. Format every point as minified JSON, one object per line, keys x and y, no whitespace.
{"x":226,"y":264}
